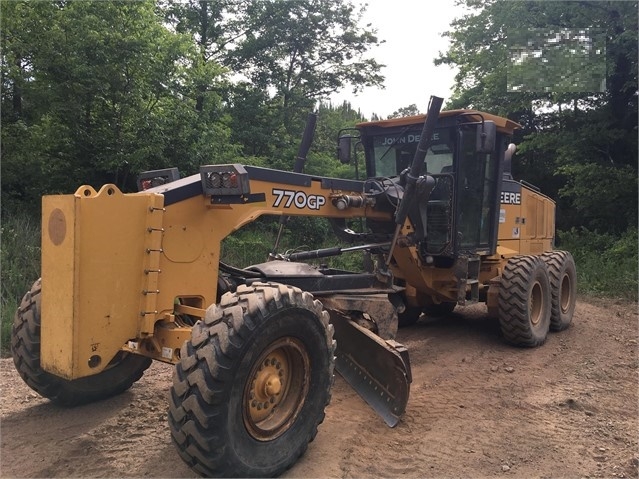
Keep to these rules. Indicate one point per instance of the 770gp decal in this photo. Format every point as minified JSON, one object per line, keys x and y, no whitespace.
{"x":299,"y":199}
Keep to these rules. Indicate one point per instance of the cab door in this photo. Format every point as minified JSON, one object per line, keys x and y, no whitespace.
{"x":477,"y":192}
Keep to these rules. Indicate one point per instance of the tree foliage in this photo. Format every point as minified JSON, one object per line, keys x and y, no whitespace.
{"x":97,"y":96}
{"x":285,"y":55}
{"x":95,"y":92}
{"x":410,"y":110}
{"x":305,"y":48}
{"x":578,"y":142}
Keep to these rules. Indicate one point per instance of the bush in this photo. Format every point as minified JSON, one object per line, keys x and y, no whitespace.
{"x":253,"y":243}
{"x":606,"y":265}
{"x":247,"y":246}
{"x":19,"y":266}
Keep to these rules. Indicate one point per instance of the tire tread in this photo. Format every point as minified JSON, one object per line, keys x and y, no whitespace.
{"x":559,"y":263}
{"x":513,"y":301}
{"x":200,"y":380}
{"x":25,"y":349}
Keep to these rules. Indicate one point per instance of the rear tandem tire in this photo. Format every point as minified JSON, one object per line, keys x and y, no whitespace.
{"x":123,"y":371}
{"x":524,"y":301}
{"x":252,"y":383}
{"x":563,"y":288}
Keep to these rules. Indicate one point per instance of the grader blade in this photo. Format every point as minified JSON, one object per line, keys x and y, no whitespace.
{"x":379,"y":370}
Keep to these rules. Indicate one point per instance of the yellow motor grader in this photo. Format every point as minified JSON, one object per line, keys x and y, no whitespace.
{"x":129,"y":278}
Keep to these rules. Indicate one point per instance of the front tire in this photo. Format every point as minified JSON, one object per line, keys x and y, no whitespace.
{"x":524,"y":301}
{"x":563,"y":288}
{"x":253,"y":381}
{"x":122,"y":372}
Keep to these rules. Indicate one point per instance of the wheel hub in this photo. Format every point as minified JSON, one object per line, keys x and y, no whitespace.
{"x":566,"y":298}
{"x":266,"y":387}
{"x":276,"y":389}
{"x":536,"y":304}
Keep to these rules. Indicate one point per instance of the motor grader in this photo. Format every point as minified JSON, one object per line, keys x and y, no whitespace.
{"x":131,"y":278}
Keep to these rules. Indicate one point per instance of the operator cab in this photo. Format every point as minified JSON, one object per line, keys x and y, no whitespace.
{"x":465,"y":157}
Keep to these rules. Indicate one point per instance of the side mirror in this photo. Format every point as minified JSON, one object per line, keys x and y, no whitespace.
{"x":486,"y":137}
{"x":344,"y":149}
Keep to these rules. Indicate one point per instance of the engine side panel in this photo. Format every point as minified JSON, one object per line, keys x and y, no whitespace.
{"x":526,"y":220}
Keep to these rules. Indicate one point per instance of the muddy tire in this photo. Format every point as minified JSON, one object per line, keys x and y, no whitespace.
{"x":563,"y":288}
{"x":524,"y":301}
{"x":252,"y":383}
{"x":122,"y":372}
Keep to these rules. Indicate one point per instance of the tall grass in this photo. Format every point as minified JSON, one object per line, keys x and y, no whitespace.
{"x":607,"y":265}
{"x":19,"y":267}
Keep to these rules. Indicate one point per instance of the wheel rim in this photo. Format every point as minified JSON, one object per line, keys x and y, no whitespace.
{"x":276,"y":389}
{"x":536,"y":302}
{"x":566,"y":290}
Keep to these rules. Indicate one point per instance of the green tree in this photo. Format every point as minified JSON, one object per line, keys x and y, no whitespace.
{"x":212,"y":26}
{"x":578,"y":144}
{"x":285,"y":55}
{"x":304,"y":48}
{"x":331,"y":120}
{"x":95,"y":93}
{"x":410,"y":110}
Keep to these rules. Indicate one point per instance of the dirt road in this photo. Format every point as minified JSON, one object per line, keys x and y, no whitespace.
{"x":478,"y":408}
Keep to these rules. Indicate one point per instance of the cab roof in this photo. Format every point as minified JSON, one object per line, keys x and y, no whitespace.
{"x":504,"y":125}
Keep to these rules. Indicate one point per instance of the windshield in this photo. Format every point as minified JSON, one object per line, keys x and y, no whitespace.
{"x":394,"y":152}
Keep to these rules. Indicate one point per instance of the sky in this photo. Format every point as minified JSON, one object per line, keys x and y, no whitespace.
{"x":413,"y":33}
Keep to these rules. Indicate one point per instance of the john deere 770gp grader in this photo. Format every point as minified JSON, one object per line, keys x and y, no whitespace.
{"x":131,"y":278}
